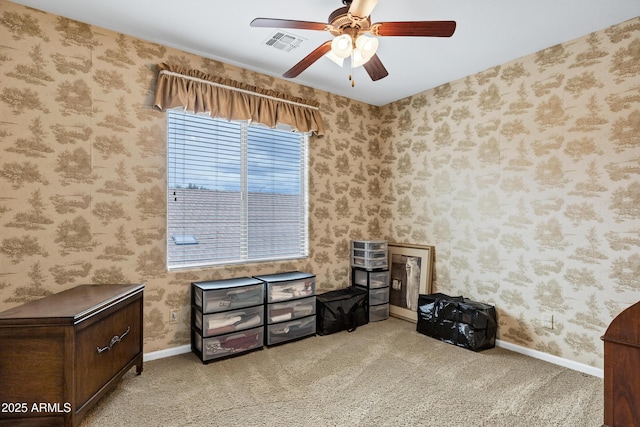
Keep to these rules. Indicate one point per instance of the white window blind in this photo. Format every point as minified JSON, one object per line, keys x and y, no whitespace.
{"x":236,"y":193}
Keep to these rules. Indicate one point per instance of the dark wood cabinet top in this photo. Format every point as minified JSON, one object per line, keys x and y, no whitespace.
{"x":70,"y":306}
{"x":625,"y":328}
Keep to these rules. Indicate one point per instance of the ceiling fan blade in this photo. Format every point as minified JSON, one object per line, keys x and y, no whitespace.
{"x":362,"y":8}
{"x":308,"y":60}
{"x":414,"y":28}
{"x":375,"y":69}
{"x":289,"y":23}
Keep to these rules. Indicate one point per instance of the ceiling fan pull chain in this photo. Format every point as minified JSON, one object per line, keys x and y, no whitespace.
{"x":353,"y":83}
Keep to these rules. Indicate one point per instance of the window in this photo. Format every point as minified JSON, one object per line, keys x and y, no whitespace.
{"x":236,"y":193}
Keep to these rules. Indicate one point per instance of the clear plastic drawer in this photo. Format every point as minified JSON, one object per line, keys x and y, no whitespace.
{"x":378,"y":312}
{"x":369,"y":254}
{"x":294,"y":329}
{"x":230,"y":294}
{"x":378,"y":296}
{"x":283,"y":311}
{"x":229,"y":321}
{"x":227,"y":345}
{"x":284,"y":291}
{"x":368,"y":262}
{"x":377,"y":279}
{"x":369,"y":245}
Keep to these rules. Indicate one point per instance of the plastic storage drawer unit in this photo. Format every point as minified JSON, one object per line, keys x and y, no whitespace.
{"x":369,"y":254}
{"x":291,"y":306}
{"x":227,"y":317}
{"x":376,"y":283}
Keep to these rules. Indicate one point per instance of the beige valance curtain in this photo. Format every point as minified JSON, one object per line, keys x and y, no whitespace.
{"x":200,"y":93}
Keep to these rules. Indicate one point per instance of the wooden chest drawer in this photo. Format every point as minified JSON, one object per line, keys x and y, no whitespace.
{"x":105,"y":347}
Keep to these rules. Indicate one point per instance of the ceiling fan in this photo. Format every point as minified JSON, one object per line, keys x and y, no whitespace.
{"x":355,"y":36}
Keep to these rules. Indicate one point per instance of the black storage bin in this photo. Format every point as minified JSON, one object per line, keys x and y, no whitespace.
{"x":342,"y":309}
{"x":457,"y":320}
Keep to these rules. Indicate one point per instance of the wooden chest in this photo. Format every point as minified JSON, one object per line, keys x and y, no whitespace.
{"x":621,"y":367}
{"x":61,"y":353}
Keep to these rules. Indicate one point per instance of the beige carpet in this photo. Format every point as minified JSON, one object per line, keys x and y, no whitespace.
{"x":382,"y":374}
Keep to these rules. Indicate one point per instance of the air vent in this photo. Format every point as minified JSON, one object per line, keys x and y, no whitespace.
{"x":283,"y":41}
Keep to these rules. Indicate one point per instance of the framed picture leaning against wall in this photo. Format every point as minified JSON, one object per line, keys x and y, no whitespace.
{"x":411,"y":272}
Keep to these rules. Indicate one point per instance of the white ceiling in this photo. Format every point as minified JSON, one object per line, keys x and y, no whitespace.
{"x":488,"y":33}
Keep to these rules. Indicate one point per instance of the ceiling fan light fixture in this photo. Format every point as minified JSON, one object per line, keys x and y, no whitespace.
{"x":357,"y":59}
{"x":348,"y":25}
{"x":342,"y":45}
{"x":335,"y":58}
{"x":367,"y":46}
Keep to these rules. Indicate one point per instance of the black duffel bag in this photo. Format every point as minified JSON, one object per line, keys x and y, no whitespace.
{"x":457,"y":320}
{"x":342,"y":309}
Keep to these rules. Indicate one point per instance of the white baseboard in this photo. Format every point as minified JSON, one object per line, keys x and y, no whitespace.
{"x":166,"y":353}
{"x":580,"y":367}
{"x":576,"y":366}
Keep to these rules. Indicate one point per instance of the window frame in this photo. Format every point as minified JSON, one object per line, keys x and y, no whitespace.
{"x":301,"y":248}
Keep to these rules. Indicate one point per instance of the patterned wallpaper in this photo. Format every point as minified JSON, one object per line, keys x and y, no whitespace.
{"x":82,"y":170}
{"x":524,"y":177}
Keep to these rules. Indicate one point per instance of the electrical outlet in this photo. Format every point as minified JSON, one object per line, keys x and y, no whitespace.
{"x":174,"y":316}
{"x":547,"y":321}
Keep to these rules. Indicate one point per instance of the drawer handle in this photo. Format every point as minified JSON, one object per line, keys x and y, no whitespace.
{"x":115,"y":340}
